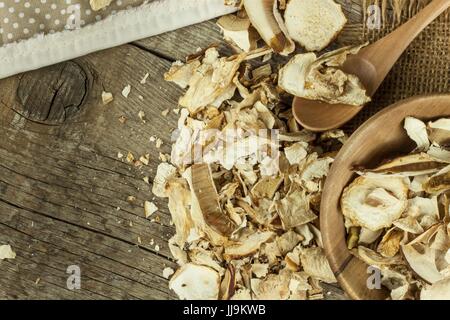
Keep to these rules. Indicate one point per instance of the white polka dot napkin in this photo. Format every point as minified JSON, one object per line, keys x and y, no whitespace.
{"x":37,"y":33}
{"x":22,"y":19}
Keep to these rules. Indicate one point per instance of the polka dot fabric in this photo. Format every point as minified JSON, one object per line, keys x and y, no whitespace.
{"x":23,"y":19}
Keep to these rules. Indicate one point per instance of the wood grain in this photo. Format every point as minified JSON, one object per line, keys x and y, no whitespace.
{"x":379,"y":138}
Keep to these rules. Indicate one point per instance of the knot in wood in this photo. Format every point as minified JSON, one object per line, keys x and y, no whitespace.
{"x":54,"y":94}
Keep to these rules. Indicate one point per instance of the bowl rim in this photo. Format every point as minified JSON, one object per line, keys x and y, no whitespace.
{"x":347,"y":257}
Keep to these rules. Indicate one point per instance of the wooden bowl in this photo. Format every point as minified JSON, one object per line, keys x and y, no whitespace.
{"x":381,"y":137}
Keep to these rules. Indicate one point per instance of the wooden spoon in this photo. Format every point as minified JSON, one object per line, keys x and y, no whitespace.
{"x":371,"y":65}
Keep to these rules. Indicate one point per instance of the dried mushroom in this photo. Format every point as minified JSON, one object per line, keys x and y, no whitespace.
{"x":194,"y":282}
{"x":237,"y":30}
{"x":398,"y":214}
{"x":374,"y":203}
{"x":99,"y":4}
{"x":314,"y":23}
{"x":265,"y":17}
{"x":313,"y":78}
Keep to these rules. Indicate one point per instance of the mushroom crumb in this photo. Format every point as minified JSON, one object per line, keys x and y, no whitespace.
{"x":144,"y":79}
{"x":167,"y":272}
{"x":107,"y":97}
{"x":6,"y":252}
{"x":126,"y":91}
{"x":149,"y":208}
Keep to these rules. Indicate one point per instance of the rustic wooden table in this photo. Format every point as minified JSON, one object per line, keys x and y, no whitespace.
{"x":63,"y":189}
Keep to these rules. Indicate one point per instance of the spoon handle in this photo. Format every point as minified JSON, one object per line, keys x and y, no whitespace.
{"x":385,"y":52}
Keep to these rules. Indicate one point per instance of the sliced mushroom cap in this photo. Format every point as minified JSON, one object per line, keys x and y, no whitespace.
{"x":205,"y":191}
{"x":164,"y":173}
{"x":422,"y":260}
{"x":417,"y":131}
{"x":367,"y":236}
{"x":372,"y":257}
{"x":439,"y":131}
{"x":438,"y":291}
{"x":314,"y":23}
{"x":294,"y":210}
{"x":409,"y":166}
{"x":194,"y":282}
{"x":438,"y":183}
{"x":237,"y":30}
{"x":322,"y":78}
{"x":315,"y":264}
{"x":375,"y":203}
{"x":248,"y":245}
{"x":99,"y":4}
{"x":390,"y":244}
{"x":265,"y":18}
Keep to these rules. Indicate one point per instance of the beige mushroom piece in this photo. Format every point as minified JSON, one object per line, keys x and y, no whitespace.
{"x":375,"y":203}
{"x":99,"y":4}
{"x":440,"y":131}
{"x":321,"y":78}
{"x":194,"y":282}
{"x":314,"y":23}
{"x":438,"y":291}
{"x":238,"y":31}
{"x":268,"y":22}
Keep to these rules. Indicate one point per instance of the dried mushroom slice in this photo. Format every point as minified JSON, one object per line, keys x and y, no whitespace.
{"x":422,"y":260}
{"x":315,"y":264}
{"x":266,"y":187}
{"x":99,"y":4}
{"x":374,"y":258}
{"x":266,"y":19}
{"x":238,"y":32}
{"x":179,"y":207}
{"x":417,"y":131}
{"x":438,"y":291}
{"x":164,"y":173}
{"x":206,"y":193}
{"x":375,"y":203}
{"x":194,"y":282}
{"x":248,"y":245}
{"x":294,"y":210}
{"x":212,"y":81}
{"x":181,"y":73}
{"x":409,"y":166}
{"x":313,"y":78}
{"x":439,"y":131}
{"x":228,"y":285}
{"x":274,"y":287}
{"x":314,"y":23}
{"x":390,"y":244}
{"x":439,"y":153}
{"x":438,"y":183}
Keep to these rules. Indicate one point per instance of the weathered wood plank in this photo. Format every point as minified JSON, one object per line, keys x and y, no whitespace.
{"x":61,"y":185}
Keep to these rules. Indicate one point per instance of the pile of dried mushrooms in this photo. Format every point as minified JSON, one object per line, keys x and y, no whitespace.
{"x":397,"y":215}
{"x":244,"y":181}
